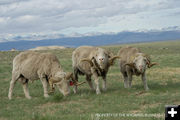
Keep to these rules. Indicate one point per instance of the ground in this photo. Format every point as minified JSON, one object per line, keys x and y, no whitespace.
{"x":163,"y":81}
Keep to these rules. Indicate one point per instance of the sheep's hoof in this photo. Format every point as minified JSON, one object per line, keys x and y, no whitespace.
{"x":98,"y":92}
{"x":104,"y":89}
{"x":51,"y":92}
{"x":75,"y":92}
{"x":46,"y":95}
{"x":147,"y":89}
{"x":29,"y":97}
{"x":126,"y":86}
{"x":10,"y":98}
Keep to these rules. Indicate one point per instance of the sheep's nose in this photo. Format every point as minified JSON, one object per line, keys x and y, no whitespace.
{"x":140,"y":67}
{"x":101,"y":59}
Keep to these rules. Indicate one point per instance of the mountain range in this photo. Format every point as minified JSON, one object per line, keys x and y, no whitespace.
{"x":98,"y":39}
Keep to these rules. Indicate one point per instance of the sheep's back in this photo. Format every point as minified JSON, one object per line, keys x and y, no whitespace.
{"x":126,"y":53}
{"x":30,"y":63}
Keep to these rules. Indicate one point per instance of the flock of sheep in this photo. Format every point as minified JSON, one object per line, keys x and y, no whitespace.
{"x":86,"y":60}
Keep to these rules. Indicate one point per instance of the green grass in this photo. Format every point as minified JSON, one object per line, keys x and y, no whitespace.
{"x":163,"y":81}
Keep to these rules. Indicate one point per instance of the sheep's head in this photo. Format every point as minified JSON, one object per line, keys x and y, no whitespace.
{"x":140,"y":61}
{"x":102,"y":58}
{"x":61,"y":79}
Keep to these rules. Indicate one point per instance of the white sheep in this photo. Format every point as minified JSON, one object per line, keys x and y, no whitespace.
{"x":30,"y":66}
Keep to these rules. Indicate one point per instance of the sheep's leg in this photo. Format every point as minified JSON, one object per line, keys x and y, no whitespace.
{"x":129,"y":79}
{"x":12,"y":83}
{"x":125,"y":81}
{"x":97,"y":84}
{"x":45,"y":86}
{"x":76,"y":79}
{"x":26,"y":90}
{"x":88,"y":78}
{"x":143,"y":77}
{"x":104,"y":83}
{"x":75,"y":88}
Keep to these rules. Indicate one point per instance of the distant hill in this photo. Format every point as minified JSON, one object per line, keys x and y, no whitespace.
{"x":95,"y":40}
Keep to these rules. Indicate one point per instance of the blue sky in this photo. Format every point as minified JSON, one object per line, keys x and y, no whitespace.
{"x":85,"y":16}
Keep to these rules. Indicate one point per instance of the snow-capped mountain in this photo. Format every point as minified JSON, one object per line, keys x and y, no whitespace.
{"x":28,"y":41}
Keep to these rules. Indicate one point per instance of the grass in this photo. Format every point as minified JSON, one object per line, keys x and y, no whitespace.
{"x":163,"y":81}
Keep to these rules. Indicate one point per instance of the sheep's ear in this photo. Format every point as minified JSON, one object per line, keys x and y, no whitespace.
{"x":147,"y":57}
{"x":130,"y":65}
{"x":69,"y":75}
{"x":108,"y":53}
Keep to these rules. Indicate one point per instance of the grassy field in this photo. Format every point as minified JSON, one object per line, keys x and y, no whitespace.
{"x":163,"y":81}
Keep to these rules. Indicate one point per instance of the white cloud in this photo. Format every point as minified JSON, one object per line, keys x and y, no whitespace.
{"x":2,"y":20}
{"x":26,"y":18}
{"x":69,"y":16}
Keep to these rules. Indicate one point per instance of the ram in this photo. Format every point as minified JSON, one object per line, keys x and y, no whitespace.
{"x":134,"y":62}
{"x":92,"y":61}
{"x":30,"y":66}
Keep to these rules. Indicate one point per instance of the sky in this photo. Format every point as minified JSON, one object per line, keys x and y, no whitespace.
{"x":85,"y":16}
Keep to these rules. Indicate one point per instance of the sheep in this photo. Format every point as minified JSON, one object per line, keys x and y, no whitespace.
{"x":92,"y":61}
{"x":30,"y":66}
{"x":134,"y":62}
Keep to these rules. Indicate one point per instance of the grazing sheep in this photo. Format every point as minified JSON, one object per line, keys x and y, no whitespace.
{"x":92,"y":61}
{"x":30,"y":66}
{"x":134,"y":62}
